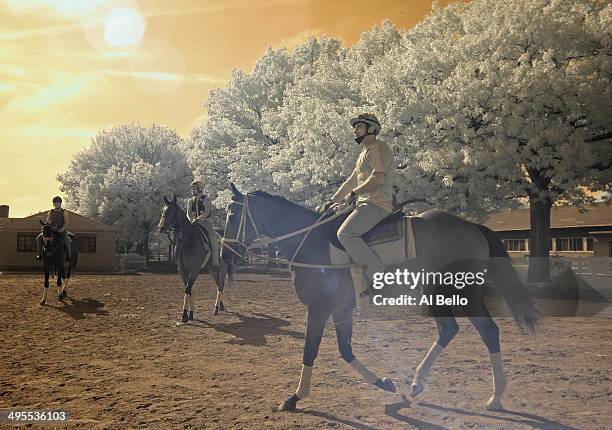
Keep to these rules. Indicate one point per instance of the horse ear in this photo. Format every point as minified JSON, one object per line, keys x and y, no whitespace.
{"x":41,"y":222}
{"x":174,"y":199}
{"x":234,"y":190}
{"x":166,"y":201}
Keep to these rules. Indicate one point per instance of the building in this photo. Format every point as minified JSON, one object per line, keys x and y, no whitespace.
{"x":573,"y":234}
{"x":18,"y":242}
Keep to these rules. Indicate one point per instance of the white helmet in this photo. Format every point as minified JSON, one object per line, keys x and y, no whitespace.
{"x":197,"y":184}
{"x":368,"y":119}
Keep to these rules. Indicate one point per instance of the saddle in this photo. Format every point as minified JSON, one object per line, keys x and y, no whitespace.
{"x":391,"y":239}
{"x":203,"y":235}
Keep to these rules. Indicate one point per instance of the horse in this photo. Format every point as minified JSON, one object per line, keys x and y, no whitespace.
{"x":443,"y":242}
{"x":192,"y":254}
{"x":53,"y":257}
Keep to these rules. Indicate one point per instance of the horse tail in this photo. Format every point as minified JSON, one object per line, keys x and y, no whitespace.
{"x":508,"y":283}
{"x":74,"y":255}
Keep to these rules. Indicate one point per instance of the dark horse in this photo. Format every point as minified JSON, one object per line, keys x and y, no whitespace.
{"x":192,"y":254}
{"x":444,"y":243}
{"x":54,"y":255}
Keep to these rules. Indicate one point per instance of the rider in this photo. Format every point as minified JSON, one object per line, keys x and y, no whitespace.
{"x":58,"y":218}
{"x":199,"y":211}
{"x":371,"y":185}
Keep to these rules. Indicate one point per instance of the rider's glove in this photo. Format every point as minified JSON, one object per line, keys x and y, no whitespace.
{"x":324,"y":207}
{"x":352,"y":198}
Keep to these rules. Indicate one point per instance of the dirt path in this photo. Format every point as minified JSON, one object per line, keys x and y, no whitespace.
{"x":113,"y":357}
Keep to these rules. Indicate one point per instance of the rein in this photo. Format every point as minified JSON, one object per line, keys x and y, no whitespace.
{"x":261,"y":241}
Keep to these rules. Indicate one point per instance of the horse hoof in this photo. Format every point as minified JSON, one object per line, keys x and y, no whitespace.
{"x":42,"y":302}
{"x":386,"y":384}
{"x":60,"y":298}
{"x":415,"y":389}
{"x":184,"y":319}
{"x":494,"y":405}
{"x":289,"y":404}
{"x":221,"y":306}
{"x":216,"y":311}
{"x":191,"y":316}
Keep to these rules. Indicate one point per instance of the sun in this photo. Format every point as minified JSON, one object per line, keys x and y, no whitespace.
{"x":123,"y":27}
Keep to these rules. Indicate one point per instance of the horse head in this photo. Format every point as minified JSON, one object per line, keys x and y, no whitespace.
{"x":234,"y":236}
{"x":51,"y":237}
{"x":169,"y":216}
{"x":259,"y":214}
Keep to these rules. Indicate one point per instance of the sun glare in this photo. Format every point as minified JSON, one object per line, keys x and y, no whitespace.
{"x":123,"y":27}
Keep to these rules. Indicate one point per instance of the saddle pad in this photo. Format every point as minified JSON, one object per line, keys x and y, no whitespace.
{"x":393,"y":243}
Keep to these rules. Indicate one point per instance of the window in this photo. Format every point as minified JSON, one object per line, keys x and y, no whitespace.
{"x":26,"y":242}
{"x":87,"y":244}
{"x":589,"y":244}
{"x":515,"y":244}
{"x":570,"y":244}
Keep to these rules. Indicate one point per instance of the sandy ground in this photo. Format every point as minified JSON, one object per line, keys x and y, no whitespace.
{"x":113,"y":357}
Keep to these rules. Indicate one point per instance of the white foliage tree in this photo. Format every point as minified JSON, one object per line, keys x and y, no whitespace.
{"x":122,"y":176}
{"x":486,"y":105}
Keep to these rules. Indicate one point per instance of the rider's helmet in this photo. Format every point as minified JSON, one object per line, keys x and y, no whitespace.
{"x":197,"y":184}
{"x":369,"y":119}
{"x":57,"y":199}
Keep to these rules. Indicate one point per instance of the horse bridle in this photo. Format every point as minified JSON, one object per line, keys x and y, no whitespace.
{"x":171,"y":228}
{"x":261,"y":241}
{"x":240,"y":239}
{"x":47,"y":239}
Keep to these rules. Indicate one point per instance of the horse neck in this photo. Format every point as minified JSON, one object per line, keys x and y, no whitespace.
{"x":293,"y":219}
{"x":183,"y":222}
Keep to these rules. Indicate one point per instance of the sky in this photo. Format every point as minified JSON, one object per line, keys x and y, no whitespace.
{"x":70,"y":68}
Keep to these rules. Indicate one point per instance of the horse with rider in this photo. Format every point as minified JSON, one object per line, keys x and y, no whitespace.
{"x":362,"y":208}
{"x":197,"y":245}
{"x":57,"y":247}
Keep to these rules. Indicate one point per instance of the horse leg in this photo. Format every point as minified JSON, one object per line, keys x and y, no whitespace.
{"x":317,"y":316}
{"x":187,"y":303}
{"x":343,"y":321}
{"x":190,"y":302}
{"x":45,"y":288}
{"x":489,"y":333}
{"x":447,"y":329}
{"x":191,"y":308}
{"x":230,"y":275}
{"x":65,"y":279}
{"x":60,"y":282}
{"x":219,"y":306}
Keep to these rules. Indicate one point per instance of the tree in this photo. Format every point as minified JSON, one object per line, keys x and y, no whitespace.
{"x":486,"y":105}
{"x":502,"y":103}
{"x":122,"y":176}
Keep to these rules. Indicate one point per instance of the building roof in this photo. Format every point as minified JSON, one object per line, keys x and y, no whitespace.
{"x":560,"y":217}
{"x":78,"y":223}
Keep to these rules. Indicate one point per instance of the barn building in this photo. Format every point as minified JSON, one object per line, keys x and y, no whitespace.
{"x":573,"y":234}
{"x":18,"y":242}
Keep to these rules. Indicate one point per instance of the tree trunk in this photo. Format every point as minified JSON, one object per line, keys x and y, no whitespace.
{"x":145,"y":247}
{"x":539,"y":236}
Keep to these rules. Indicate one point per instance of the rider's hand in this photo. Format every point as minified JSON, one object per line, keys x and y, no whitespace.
{"x":324,"y":207}
{"x":352,"y":198}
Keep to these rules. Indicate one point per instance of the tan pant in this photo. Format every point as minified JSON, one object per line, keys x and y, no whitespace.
{"x":207,"y":225}
{"x":360,"y":221}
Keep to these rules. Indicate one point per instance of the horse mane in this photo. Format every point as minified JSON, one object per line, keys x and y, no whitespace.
{"x":279,"y":199}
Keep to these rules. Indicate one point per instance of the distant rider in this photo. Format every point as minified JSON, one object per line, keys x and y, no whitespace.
{"x":58,"y":218}
{"x":199,"y":212}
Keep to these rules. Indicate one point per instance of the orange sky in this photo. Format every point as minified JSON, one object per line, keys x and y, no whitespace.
{"x":62,"y":79}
